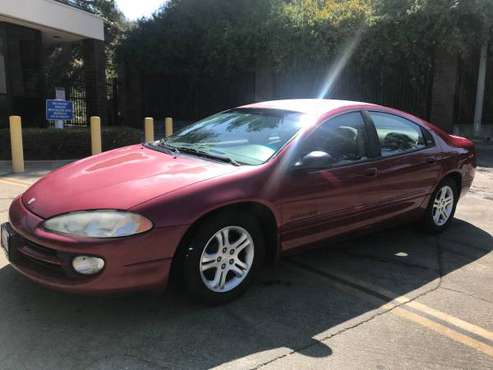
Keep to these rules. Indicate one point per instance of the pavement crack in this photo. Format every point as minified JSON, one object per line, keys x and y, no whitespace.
{"x":383,"y":300}
{"x":462,"y":244}
{"x":344,"y":330}
{"x":105,"y":361}
{"x":439,"y":250}
{"x":468,"y":294}
{"x":389,"y":260}
{"x":320,"y":341}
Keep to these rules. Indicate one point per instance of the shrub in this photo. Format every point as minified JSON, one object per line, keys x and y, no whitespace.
{"x":70,"y":143}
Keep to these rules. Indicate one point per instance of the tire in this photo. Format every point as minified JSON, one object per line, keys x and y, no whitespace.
{"x":436,"y":221}
{"x":222,"y":257}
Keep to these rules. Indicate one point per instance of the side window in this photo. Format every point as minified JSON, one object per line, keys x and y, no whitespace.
{"x":343,"y":137}
{"x":428,"y":138}
{"x":396,"y":134}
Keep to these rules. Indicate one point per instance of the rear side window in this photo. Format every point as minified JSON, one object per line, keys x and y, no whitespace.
{"x":428,"y":138}
{"x":397,"y":135}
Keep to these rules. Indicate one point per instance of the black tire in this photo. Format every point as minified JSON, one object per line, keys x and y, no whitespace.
{"x":203,"y":235}
{"x":429,"y":223}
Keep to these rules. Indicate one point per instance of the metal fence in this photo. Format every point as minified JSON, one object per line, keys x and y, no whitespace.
{"x":79,"y":99}
{"x":112,"y":102}
{"x":78,"y":96}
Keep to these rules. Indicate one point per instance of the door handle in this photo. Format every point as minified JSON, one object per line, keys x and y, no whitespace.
{"x":430,"y":160}
{"x":371,"y":172}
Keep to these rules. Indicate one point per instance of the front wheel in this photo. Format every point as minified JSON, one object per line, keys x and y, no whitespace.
{"x":441,"y":208}
{"x":222,"y":257}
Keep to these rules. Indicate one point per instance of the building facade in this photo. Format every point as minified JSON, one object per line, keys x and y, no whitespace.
{"x":27,"y":29}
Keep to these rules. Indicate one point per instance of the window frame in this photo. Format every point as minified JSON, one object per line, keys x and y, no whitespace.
{"x":368,"y":145}
{"x":431,"y":137}
{"x":376,"y":141}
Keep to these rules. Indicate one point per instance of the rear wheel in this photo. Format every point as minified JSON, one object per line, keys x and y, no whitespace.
{"x":222,"y":257}
{"x":441,"y":208}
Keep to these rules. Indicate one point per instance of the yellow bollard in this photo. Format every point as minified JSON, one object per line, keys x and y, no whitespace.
{"x":168,"y":126}
{"x":16,"y":144}
{"x":96,"y":135}
{"x":149,"y":129}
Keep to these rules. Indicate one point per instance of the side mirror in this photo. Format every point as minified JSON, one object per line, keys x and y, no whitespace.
{"x":315,"y":160}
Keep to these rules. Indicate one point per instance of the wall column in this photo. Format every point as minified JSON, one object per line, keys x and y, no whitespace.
{"x":443,"y":93}
{"x":95,"y":78}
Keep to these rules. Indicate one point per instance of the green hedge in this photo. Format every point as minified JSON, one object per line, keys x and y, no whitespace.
{"x":69,"y":143}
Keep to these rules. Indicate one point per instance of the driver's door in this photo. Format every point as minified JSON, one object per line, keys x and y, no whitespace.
{"x":320,"y":203}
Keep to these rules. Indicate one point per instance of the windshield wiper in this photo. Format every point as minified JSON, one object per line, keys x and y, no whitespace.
{"x":160,"y":145}
{"x":164,"y":143}
{"x":203,"y":153}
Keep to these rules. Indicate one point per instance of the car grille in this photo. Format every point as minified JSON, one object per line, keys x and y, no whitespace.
{"x":43,"y":260}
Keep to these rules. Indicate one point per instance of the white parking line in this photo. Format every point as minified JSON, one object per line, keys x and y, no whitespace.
{"x":15,"y":182}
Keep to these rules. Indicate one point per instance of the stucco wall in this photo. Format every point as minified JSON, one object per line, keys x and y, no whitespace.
{"x":52,"y":14}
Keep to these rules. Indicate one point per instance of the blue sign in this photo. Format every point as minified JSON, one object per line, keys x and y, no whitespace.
{"x":59,"y":110}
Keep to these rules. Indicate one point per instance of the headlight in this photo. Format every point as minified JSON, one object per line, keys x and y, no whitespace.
{"x":98,"y":224}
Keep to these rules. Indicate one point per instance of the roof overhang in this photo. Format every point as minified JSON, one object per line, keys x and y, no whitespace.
{"x":58,"y":22}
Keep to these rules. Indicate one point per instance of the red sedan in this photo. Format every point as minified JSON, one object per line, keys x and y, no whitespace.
{"x":230,"y":192}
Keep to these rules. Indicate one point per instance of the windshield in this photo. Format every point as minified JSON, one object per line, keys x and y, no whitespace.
{"x":245,"y":136}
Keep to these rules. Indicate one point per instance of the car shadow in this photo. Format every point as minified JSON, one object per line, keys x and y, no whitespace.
{"x":291,"y":307}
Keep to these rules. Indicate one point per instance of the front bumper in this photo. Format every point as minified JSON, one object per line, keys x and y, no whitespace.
{"x":141,"y":262}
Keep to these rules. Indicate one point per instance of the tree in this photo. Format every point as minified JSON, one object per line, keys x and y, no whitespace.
{"x":391,"y":43}
{"x":65,"y":62}
{"x":224,"y":35}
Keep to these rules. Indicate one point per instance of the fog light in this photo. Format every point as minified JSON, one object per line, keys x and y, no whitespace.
{"x":86,"y":265}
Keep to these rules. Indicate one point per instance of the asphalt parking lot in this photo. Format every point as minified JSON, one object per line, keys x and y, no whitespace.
{"x":396,"y":299}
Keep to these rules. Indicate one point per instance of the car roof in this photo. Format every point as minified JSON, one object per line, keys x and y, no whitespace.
{"x":321,"y":107}
{"x":309,"y":106}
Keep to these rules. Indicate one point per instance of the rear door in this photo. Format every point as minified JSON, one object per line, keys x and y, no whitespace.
{"x":407,"y":168}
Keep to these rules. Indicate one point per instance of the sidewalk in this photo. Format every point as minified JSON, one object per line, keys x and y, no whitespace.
{"x":33,"y":169}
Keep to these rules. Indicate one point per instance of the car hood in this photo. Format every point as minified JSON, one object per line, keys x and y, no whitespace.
{"x":118,"y":179}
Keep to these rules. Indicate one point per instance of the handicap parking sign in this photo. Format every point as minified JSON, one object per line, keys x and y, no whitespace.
{"x":59,"y":110}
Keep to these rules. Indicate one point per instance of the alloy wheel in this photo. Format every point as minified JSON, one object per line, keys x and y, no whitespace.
{"x":227,"y":259}
{"x":443,"y":205}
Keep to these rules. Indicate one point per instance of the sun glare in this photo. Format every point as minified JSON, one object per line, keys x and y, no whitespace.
{"x":339,"y":64}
